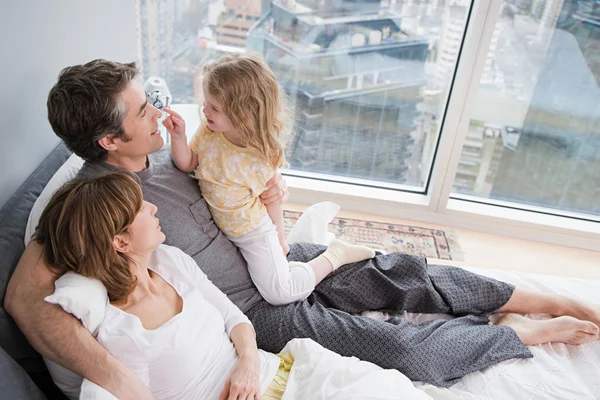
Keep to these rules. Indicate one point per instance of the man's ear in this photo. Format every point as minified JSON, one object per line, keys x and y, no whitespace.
{"x":108,"y":143}
{"x":120,"y":243}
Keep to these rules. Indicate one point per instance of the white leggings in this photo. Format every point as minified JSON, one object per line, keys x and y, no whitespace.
{"x":277,"y":280}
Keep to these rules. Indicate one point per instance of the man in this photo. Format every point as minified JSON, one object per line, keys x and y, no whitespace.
{"x":101,"y":113}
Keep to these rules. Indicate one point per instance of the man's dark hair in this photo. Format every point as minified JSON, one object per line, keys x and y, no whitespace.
{"x":85,"y":105}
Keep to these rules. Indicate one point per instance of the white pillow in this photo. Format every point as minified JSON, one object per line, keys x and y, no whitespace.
{"x":86,"y":299}
{"x":91,"y":391}
{"x":65,"y":173}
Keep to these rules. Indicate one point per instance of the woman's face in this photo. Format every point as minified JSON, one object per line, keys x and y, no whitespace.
{"x":144,"y":234}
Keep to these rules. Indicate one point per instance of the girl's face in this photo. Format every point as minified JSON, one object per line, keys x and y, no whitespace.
{"x":144,"y":234}
{"x":213,"y":111}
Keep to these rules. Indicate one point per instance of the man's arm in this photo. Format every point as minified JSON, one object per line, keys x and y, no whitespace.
{"x":277,"y":191}
{"x":60,"y":336}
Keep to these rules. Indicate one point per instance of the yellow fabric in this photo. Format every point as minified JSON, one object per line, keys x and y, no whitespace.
{"x":231,"y":179}
{"x":277,"y":387}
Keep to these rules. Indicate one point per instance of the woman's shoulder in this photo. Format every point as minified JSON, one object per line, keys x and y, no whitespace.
{"x":173,"y":262}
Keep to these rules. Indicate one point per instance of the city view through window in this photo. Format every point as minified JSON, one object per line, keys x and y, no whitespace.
{"x":368,"y":81}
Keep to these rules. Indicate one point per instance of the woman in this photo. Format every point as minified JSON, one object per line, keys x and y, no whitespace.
{"x":165,"y":321}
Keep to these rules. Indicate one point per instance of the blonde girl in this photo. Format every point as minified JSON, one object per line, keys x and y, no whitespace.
{"x":236,"y":150}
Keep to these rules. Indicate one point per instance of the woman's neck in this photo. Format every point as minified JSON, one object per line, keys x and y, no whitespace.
{"x":139,"y":269}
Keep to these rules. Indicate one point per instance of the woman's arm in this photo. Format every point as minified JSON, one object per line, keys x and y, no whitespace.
{"x":58,"y":335}
{"x":229,"y":311}
{"x":183,"y":157}
{"x":244,"y":381}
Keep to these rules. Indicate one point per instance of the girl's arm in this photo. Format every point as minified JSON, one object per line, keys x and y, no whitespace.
{"x":183,"y":157}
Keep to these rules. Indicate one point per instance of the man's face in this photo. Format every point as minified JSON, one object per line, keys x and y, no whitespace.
{"x":140,"y":124}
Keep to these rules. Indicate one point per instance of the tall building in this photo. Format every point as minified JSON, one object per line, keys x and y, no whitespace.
{"x":233,"y":24}
{"x":556,"y":160}
{"x":455,"y":17}
{"x":537,"y":8}
{"x":158,"y":41}
{"x":548,"y":20}
{"x":354,"y":77}
{"x":480,"y":159}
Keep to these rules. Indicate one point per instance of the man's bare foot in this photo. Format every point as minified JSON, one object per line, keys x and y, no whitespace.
{"x":583,"y":311}
{"x":530,"y":302}
{"x":560,"y":329}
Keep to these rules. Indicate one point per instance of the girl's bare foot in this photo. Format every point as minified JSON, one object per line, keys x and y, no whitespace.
{"x":564,"y":329}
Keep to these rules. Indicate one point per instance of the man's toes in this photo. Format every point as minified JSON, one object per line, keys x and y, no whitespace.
{"x":581,"y":338}
{"x":591,"y":328}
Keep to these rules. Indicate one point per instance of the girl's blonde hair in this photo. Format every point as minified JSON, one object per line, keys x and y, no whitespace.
{"x":78,"y":226}
{"x":248,"y":91}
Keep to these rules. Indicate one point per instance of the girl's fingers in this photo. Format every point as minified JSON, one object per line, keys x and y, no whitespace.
{"x":177,"y":119}
{"x":173,"y":113}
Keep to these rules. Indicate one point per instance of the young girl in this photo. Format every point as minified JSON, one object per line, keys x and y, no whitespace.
{"x":234,"y":153}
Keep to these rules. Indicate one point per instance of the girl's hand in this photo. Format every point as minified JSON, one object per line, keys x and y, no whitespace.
{"x":175,"y":125}
{"x":244,"y":381}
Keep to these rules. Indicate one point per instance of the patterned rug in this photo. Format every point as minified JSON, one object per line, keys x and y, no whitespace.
{"x":431,"y":243}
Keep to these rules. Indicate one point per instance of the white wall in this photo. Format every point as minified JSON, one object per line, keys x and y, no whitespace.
{"x":37,"y":39}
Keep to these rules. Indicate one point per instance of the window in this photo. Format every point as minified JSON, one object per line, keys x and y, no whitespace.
{"x":367,"y":79}
{"x":536,"y":120}
{"x":448,"y":108}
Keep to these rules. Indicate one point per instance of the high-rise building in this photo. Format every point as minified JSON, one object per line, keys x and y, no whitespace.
{"x":480,"y":159}
{"x":548,"y":21}
{"x":556,"y":160}
{"x":355,"y":78}
{"x":233,"y":24}
{"x":158,"y":41}
{"x":455,"y":18}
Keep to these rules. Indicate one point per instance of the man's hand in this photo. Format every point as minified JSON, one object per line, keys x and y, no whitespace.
{"x":244,"y":381}
{"x":175,"y":124}
{"x":277,"y":191}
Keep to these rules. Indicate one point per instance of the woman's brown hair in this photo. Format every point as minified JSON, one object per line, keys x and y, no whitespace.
{"x":79,"y":224}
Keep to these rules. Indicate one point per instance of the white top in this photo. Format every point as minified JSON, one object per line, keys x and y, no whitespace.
{"x":190,"y":356}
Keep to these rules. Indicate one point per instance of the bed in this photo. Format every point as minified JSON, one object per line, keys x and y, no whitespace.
{"x":557,"y":371}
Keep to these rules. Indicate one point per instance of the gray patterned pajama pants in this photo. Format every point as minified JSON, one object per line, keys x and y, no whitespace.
{"x":439,"y":352}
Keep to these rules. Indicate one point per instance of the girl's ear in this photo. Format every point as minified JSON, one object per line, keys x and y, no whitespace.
{"x":108,"y":143}
{"x":120,"y":243}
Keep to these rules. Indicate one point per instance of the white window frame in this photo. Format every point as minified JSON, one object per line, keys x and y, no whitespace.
{"x":437,"y":206}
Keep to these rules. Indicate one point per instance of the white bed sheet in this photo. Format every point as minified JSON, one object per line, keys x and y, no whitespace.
{"x":557,"y":371}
